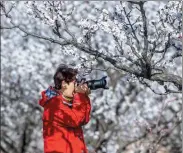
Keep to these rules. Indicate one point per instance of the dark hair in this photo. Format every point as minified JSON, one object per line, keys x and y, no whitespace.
{"x":65,"y":73}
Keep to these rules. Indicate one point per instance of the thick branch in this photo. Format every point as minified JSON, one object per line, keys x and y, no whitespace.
{"x":107,"y":58}
{"x":177,"y":80}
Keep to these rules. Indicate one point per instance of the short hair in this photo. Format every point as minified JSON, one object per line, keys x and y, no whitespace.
{"x":64,"y":72}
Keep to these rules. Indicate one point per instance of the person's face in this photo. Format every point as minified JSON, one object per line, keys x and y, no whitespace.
{"x":68,"y":88}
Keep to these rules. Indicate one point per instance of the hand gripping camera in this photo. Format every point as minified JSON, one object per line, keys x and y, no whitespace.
{"x":96,"y":84}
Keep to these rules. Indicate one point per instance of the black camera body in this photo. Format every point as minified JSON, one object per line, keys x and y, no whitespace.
{"x":96,"y":84}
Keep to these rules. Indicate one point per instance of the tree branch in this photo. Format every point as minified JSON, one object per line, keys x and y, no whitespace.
{"x":163,"y":77}
{"x":144,"y":19}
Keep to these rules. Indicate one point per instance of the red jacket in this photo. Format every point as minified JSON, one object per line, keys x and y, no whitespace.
{"x":63,"y":121}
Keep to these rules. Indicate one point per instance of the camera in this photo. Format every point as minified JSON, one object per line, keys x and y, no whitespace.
{"x":95,"y":84}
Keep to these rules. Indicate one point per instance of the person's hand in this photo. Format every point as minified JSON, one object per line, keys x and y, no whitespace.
{"x":82,"y":88}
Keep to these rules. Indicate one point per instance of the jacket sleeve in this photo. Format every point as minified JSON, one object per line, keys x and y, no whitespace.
{"x":87,"y":113}
{"x":76,"y":116}
{"x":43,"y":99}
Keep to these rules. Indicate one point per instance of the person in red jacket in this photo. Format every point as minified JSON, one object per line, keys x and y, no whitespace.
{"x":66,"y":109}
